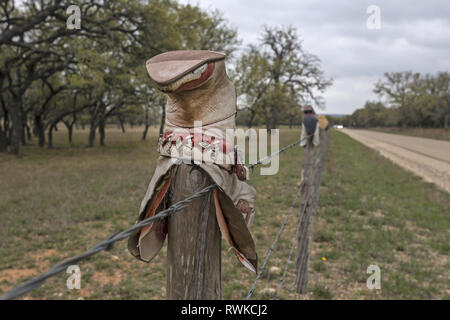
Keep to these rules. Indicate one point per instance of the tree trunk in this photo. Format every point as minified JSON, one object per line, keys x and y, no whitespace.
{"x":194,"y":244}
{"x":50,"y":135}
{"x":147,"y":125}
{"x":268,"y":125}
{"x":3,"y":140}
{"x":274,"y":122}
{"x":4,"y":132}
{"x":163,"y":120}
{"x":70,"y":125}
{"x":121,"y":123}
{"x":70,"y":133}
{"x":144,"y":134}
{"x":92,"y":130}
{"x":23,"y":135}
{"x":101,"y":130}
{"x":446,"y":122}
{"x":16,"y":134}
{"x":27,"y":127}
{"x":40,"y":131}
{"x":251,"y":118}
{"x":403,"y":115}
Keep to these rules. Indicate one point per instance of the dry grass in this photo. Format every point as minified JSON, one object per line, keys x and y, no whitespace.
{"x":57,"y":203}
{"x":431,"y":133}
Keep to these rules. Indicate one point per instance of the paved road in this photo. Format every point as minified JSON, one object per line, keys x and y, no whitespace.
{"x":428,"y":158}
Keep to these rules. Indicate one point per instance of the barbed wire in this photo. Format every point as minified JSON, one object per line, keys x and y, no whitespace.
{"x":291,"y":251}
{"x":302,"y":255}
{"x":263,"y":160}
{"x":104,"y":245}
{"x":298,"y":256}
{"x":303,"y":252}
{"x":277,"y":237}
{"x":108,"y":243}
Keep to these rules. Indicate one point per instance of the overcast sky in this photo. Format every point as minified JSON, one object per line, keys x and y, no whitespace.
{"x":414,"y":35}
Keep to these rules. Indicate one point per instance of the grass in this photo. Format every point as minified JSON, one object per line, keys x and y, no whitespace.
{"x":57,"y":203}
{"x":431,"y":133}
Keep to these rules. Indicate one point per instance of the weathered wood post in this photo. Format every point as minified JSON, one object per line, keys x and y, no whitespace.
{"x":195,"y":152}
{"x":318,"y":171}
{"x":194,"y":241}
{"x":309,"y":204}
{"x":303,"y":238}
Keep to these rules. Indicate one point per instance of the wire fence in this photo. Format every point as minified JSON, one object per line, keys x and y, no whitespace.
{"x":272,"y":247}
{"x":263,"y":160}
{"x":291,"y":251}
{"x":108,"y":243}
{"x":104,"y":245}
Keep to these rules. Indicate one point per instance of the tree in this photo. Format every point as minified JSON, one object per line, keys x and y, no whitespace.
{"x":421,"y":100}
{"x":252,"y":81}
{"x":35,"y":40}
{"x":442,"y":91}
{"x":279,"y":75}
{"x":397,"y":87}
{"x":374,"y":114}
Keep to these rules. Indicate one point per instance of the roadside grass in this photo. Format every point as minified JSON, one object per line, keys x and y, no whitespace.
{"x":58,"y":203}
{"x":431,"y":133}
{"x":373,"y":212}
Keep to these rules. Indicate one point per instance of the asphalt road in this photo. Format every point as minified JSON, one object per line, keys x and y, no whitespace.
{"x":427,"y":158}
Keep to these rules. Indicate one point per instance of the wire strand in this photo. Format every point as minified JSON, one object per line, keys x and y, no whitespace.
{"x":272,"y":247}
{"x":291,"y":251}
{"x":108,"y":243}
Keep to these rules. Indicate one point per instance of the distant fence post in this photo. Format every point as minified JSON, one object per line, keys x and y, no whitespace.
{"x":303,"y":238}
{"x":194,"y":244}
{"x":309,"y":205}
{"x":318,"y":171}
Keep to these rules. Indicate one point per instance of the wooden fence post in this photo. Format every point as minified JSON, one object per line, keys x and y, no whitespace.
{"x":303,"y":238}
{"x":318,"y":171}
{"x":194,"y":244}
{"x":309,"y":203}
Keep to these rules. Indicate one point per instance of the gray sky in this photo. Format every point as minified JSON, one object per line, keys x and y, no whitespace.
{"x":414,"y":35}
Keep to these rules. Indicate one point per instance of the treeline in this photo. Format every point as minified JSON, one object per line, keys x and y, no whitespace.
{"x":53,"y":75}
{"x":411,"y":100}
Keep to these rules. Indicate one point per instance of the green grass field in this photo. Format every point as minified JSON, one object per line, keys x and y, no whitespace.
{"x":58,"y":203}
